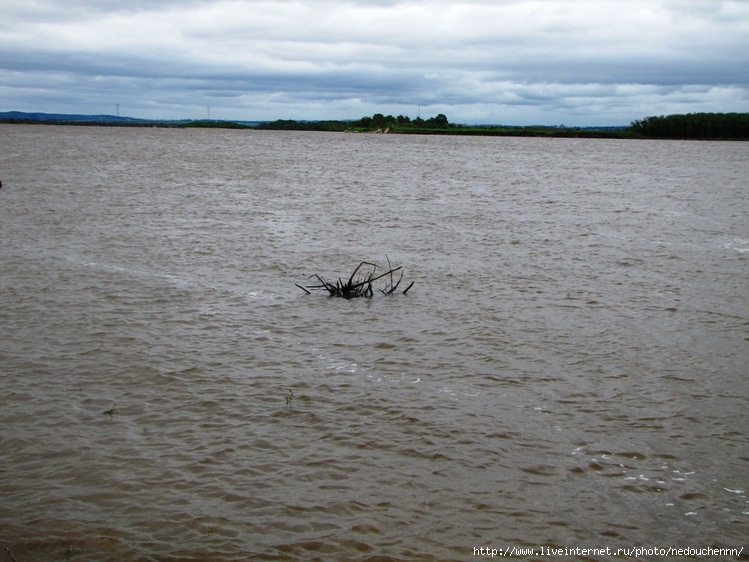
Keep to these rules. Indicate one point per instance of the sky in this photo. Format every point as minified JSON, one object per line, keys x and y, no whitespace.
{"x":514,"y":62}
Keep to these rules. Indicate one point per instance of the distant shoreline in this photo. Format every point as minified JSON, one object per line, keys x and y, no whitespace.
{"x":717,"y":127}
{"x":309,"y":127}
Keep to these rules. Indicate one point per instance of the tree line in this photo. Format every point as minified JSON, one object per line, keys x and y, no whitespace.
{"x":694,"y":126}
{"x":378,"y":121}
{"x":677,"y":126}
{"x":291,"y":125}
{"x":726,"y":126}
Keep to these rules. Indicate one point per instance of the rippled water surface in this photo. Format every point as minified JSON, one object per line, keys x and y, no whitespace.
{"x":569,"y":368}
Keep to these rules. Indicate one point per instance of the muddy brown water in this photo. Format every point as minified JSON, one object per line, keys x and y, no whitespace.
{"x":568,"y":370}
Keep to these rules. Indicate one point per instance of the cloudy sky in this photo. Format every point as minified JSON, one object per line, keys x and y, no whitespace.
{"x":521,"y":62}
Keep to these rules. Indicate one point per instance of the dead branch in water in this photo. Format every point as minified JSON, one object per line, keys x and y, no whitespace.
{"x":8,"y":549}
{"x":360,"y":286}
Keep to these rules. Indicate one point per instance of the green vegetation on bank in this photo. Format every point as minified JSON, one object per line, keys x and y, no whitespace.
{"x":401,"y":123}
{"x":291,"y":125}
{"x":440,"y":125}
{"x":734,"y":126}
{"x":702,"y":126}
{"x":213,"y":125}
{"x":706,"y":126}
{"x":376,"y":123}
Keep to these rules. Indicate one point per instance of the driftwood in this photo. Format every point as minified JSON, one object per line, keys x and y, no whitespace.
{"x":360,"y":286}
{"x":6,"y":548}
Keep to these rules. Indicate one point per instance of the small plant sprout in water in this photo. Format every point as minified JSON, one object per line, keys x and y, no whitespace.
{"x":289,"y":398}
{"x":111,"y":410}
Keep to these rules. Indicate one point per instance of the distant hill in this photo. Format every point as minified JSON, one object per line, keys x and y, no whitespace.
{"x":73,"y":119}
{"x":68,"y":118}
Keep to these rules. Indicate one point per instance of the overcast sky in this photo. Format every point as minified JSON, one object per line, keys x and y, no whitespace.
{"x":521,"y":62}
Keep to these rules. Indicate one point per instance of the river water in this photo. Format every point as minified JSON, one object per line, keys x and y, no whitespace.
{"x":568,"y":370}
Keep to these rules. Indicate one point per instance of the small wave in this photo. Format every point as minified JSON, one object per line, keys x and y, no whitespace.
{"x":740,"y":245}
{"x":346,"y":367}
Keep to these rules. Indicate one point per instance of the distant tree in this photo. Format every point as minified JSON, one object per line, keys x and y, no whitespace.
{"x":364,"y":122}
{"x":378,"y":120}
{"x":441,"y":121}
{"x":438,"y":122}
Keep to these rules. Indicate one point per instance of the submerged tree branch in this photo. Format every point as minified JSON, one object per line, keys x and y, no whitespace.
{"x":360,"y":282}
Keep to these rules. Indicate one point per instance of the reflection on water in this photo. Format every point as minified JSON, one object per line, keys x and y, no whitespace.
{"x":568,"y":370}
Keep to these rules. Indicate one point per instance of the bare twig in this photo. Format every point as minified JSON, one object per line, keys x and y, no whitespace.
{"x":302,"y":288}
{"x":10,"y":554}
{"x":360,"y":282}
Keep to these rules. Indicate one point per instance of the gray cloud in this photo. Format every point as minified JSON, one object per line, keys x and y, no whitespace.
{"x":577,"y":61}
